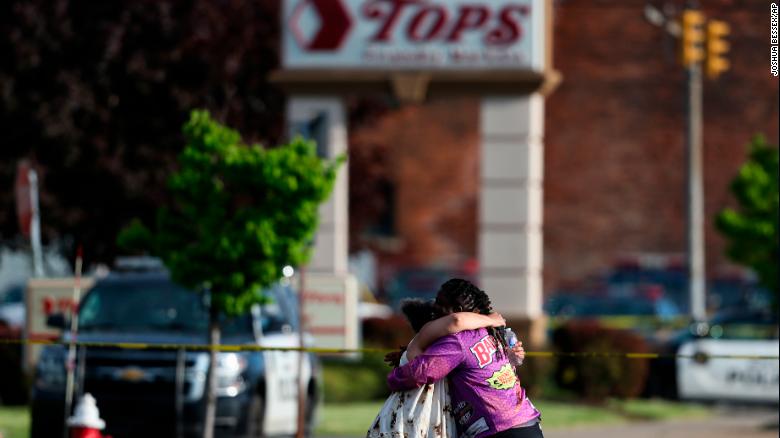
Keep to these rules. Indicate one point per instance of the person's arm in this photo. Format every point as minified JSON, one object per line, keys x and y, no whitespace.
{"x":437,"y":361}
{"x":449,"y":324}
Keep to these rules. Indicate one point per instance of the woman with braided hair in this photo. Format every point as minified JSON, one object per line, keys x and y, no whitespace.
{"x":486,"y":397}
{"x":458,"y":295}
{"x":420,"y":412}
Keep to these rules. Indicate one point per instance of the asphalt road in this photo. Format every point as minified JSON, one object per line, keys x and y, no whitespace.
{"x":726,"y":423}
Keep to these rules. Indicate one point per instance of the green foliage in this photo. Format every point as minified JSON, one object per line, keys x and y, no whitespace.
{"x":536,"y":376}
{"x":135,"y":237}
{"x":363,"y":380}
{"x":751,"y":229}
{"x":239,"y":214}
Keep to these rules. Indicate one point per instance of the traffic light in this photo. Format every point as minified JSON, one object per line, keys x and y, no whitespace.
{"x":717,"y":47}
{"x":692,"y":37}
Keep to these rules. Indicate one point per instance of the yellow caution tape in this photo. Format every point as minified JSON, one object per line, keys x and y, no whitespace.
{"x":316,"y":350}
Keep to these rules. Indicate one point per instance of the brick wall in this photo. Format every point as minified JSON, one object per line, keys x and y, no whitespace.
{"x":614,"y":156}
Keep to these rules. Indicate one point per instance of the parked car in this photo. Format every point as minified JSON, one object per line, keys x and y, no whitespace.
{"x":12,"y":307}
{"x":634,"y":306}
{"x":707,"y":378}
{"x":748,"y":380}
{"x":161,"y":391}
{"x":419,"y":283}
{"x":730,"y":293}
{"x":668,"y":272}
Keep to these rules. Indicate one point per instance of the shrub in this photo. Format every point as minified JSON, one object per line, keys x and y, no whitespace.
{"x":535,"y":374}
{"x":363,"y":380}
{"x":600,"y":376}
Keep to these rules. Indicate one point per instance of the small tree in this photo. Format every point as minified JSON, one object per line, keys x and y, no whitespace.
{"x":751,"y":230}
{"x":240,"y":213}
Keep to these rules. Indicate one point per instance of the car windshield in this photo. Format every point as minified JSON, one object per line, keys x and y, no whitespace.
{"x":13,"y":295}
{"x":150,"y":306}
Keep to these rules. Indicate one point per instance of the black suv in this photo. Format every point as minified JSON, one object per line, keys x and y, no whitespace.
{"x":161,"y":391}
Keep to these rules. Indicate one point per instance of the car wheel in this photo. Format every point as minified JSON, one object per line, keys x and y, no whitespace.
{"x":311,"y":405}
{"x":44,"y":429}
{"x":254,"y":418}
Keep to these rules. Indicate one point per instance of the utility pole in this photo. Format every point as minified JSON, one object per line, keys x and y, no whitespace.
{"x":70,"y":363}
{"x":35,"y":224}
{"x":692,"y":56}
{"x":695,"y":195}
{"x":696,"y":46}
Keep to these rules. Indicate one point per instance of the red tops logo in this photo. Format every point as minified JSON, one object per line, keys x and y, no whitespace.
{"x":421,"y":21}
{"x":334,"y":24}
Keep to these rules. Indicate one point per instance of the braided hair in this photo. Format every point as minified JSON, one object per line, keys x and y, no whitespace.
{"x":419,"y":312}
{"x":459,"y":295}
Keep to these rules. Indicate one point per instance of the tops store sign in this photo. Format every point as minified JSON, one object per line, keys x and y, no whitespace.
{"x":414,"y":34}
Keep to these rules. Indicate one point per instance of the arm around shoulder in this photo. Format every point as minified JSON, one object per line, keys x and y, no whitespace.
{"x":450,"y":324}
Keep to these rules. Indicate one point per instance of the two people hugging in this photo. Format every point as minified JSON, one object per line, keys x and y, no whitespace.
{"x":458,"y":375}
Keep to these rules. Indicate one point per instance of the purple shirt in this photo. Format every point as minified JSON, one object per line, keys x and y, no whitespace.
{"x":485,"y":395}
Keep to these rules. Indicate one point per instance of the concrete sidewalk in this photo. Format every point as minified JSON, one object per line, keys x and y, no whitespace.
{"x":726,"y":423}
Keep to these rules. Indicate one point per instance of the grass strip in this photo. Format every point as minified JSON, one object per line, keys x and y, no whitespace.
{"x":354,"y":419}
{"x":14,"y":422}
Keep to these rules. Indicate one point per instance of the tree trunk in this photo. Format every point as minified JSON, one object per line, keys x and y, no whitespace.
{"x":302,"y":387}
{"x":211,"y":380}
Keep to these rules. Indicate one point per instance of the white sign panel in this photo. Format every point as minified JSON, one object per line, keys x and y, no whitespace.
{"x":414,"y":34}
{"x":330,"y":310}
{"x":47,"y":296}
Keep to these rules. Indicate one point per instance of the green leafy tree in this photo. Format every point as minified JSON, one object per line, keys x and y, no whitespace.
{"x":751,"y":229}
{"x":239,"y":214}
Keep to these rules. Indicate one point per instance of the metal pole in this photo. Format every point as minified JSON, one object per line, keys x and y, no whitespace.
{"x":301,"y":384}
{"x":74,"y":321}
{"x":35,"y":224}
{"x":695,"y":195}
{"x":180,"y":376}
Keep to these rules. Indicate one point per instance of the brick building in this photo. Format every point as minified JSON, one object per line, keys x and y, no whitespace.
{"x":614,"y":147}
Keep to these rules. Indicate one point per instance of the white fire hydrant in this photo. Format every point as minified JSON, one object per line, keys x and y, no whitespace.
{"x":86,"y":422}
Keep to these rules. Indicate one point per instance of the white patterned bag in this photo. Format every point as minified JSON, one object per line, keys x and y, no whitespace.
{"x":423,"y":412}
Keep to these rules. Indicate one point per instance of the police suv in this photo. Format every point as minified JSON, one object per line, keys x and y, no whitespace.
{"x":705,"y":372}
{"x":160,"y":390}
